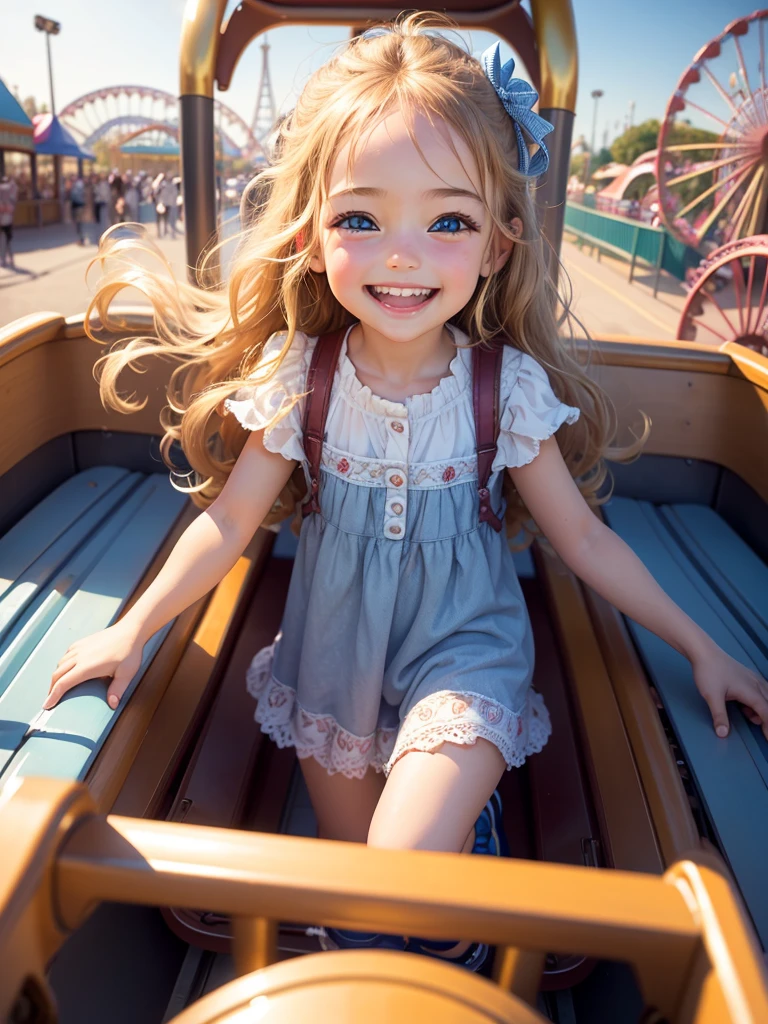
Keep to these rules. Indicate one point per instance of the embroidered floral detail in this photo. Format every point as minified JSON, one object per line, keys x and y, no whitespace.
{"x":427,"y":473}
{"x":450,"y":717}
{"x":285,"y":721}
{"x":373,"y":471}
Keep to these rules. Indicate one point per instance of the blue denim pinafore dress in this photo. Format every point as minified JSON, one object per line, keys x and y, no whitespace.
{"x":405,"y":625}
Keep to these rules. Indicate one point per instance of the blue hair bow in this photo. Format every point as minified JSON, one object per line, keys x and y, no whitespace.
{"x":518,"y":98}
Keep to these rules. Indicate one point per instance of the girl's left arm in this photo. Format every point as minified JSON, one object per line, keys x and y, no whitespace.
{"x":601,"y":559}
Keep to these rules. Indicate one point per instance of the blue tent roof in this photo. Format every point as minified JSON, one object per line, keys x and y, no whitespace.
{"x":10,"y":108}
{"x":53,"y":139}
{"x":15,"y":126}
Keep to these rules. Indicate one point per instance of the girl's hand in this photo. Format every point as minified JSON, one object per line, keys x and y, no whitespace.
{"x":114,"y":653}
{"x":719,"y":678}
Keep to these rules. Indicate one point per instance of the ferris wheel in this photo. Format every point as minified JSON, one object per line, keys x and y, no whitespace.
{"x":115,"y":111}
{"x":713,"y":187}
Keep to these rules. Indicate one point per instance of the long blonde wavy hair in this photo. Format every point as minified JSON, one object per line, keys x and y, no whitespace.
{"x":216,"y":335}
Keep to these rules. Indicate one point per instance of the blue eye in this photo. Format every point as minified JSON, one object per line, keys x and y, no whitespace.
{"x":448,"y":217}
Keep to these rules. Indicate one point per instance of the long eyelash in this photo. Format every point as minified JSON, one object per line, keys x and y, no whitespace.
{"x":455,"y":213}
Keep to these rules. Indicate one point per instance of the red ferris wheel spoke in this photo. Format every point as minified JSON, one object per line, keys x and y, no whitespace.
{"x":743,"y":209}
{"x":708,"y":113}
{"x":704,"y":195}
{"x":681,"y":147}
{"x":701,"y":233}
{"x":761,"y":307}
{"x":738,"y":113}
{"x":750,"y":282}
{"x":705,"y":168}
{"x":706,"y":327}
{"x":731,"y":326}
{"x":738,"y":284}
{"x":743,"y":69}
{"x":762,"y":68}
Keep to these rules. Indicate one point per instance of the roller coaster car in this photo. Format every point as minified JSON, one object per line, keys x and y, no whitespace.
{"x":177,"y":801}
{"x":635,"y":890}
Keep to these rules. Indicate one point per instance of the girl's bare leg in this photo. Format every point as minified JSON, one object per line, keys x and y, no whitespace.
{"x":343,"y":807}
{"x":431,"y":801}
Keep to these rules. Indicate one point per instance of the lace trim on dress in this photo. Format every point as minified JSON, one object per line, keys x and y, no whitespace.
{"x":285,"y":721}
{"x":447,"y":716}
{"x":373,"y":471}
{"x":454,"y":717}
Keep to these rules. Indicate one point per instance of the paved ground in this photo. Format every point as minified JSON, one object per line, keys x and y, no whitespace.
{"x":51,"y":266}
{"x":50,"y":271}
{"x":606,"y":303}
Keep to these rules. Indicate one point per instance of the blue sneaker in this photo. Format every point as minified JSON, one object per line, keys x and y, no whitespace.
{"x":473,"y":958}
{"x":490,"y":838}
{"x":345,"y":938}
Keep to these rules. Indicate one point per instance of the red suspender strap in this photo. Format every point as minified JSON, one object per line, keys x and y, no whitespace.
{"x":486,"y":382}
{"x":319,"y":384}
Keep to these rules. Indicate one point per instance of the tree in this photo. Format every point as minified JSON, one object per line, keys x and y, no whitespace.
{"x":683,"y":132}
{"x":31,"y":107}
{"x":645,"y":137}
{"x":635,"y":141}
{"x":577,"y":165}
{"x":603,"y":157}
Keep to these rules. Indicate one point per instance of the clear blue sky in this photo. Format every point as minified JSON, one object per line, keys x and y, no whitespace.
{"x":631,"y":51}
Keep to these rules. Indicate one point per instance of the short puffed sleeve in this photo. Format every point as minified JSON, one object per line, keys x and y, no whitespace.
{"x":530,"y":411}
{"x":256,"y":405}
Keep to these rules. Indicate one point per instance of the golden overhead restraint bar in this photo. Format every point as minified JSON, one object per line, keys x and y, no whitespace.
{"x":209,"y":53}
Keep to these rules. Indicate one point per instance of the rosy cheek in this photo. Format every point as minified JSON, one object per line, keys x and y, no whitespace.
{"x":456,"y":261}
{"x":341,"y":265}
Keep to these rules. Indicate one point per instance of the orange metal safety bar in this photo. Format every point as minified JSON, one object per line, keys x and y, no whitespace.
{"x":685,"y":932}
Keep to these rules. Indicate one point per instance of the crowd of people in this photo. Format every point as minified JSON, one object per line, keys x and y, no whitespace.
{"x":9,"y":194}
{"x":106,"y":199}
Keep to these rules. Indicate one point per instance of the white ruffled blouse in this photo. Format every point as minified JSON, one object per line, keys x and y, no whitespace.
{"x":427,"y":441}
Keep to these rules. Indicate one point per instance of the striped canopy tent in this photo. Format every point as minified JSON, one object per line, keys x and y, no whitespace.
{"x":16,"y":129}
{"x":53,"y":139}
{"x":156,"y":145}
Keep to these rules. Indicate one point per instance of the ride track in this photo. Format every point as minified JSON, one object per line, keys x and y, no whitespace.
{"x":117,"y":110}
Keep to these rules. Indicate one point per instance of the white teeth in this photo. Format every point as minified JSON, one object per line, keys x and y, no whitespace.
{"x":402,"y":291}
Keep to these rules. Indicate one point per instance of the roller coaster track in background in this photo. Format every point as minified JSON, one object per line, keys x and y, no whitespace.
{"x":113,"y":111}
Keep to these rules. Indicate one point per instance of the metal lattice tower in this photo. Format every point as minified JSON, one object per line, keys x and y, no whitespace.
{"x":265,"y":114}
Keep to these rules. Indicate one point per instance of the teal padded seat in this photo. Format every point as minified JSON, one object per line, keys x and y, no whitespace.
{"x":718,"y":580}
{"x":67,"y":569}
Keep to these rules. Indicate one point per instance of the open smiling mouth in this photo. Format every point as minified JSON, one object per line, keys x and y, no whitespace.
{"x":401,"y":303}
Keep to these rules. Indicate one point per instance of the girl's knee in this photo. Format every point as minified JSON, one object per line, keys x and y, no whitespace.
{"x":432,"y":800}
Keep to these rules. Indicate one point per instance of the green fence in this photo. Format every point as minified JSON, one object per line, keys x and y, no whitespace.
{"x":632,"y":240}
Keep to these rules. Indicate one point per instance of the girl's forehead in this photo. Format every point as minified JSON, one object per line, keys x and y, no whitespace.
{"x":386,"y":157}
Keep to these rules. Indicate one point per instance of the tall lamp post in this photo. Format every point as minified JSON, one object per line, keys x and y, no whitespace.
{"x":51,"y":28}
{"x":596,"y":94}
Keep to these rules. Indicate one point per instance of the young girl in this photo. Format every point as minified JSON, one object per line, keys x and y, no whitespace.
{"x":402,"y":672}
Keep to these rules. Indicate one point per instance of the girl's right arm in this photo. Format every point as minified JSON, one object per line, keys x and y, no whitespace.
{"x":202,"y":556}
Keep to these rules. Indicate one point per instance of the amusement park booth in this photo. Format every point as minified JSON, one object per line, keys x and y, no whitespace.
{"x":17,"y":153}
{"x":61,"y":155}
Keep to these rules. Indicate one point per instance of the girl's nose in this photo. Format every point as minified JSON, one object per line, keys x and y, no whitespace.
{"x":402,"y":259}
